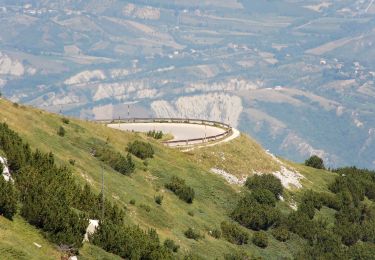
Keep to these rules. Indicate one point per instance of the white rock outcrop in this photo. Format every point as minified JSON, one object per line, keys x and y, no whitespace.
{"x":6,"y":173}
{"x":93,"y":225}
{"x":85,"y":77}
{"x":9,"y":66}
{"x":212,"y":106}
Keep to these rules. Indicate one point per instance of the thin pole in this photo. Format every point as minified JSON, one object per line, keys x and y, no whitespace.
{"x":102,"y":193}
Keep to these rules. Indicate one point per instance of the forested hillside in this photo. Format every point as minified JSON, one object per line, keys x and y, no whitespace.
{"x":161,"y":203}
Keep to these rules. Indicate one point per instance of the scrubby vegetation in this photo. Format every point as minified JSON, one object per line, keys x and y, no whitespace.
{"x":116,"y":160}
{"x":315,"y":162}
{"x":51,"y":200}
{"x":171,"y":245}
{"x":130,"y":242}
{"x":233,"y":233}
{"x":256,"y":210}
{"x":179,"y":187}
{"x":61,"y":131}
{"x":155,"y":134}
{"x":141,"y":149}
{"x":260,"y":239}
{"x":8,"y":197}
{"x":265,"y":182}
{"x":193,"y":234}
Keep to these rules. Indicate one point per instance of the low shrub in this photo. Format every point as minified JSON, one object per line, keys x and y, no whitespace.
{"x":281,"y":234}
{"x":251,"y":214}
{"x":216,"y":233}
{"x":171,"y":245}
{"x":147,"y":208}
{"x":61,"y":131}
{"x":158,"y":199}
{"x":233,"y":233}
{"x":179,"y":187}
{"x":141,"y":149}
{"x":263,"y":196}
{"x":65,"y":120}
{"x":132,"y":201}
{"x":192,"y":234}
{"x":238,"y":255}
{"x":260,"y":239}
{"x":8,"y":197}
{"x":116,"y":160}
{"x":267,"y":182}
{"x":155,"y":134}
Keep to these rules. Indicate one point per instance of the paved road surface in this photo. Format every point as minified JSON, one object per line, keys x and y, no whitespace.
{"x":180,"y":131}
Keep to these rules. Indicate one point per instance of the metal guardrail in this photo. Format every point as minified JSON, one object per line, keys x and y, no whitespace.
{"x":177,"y":120}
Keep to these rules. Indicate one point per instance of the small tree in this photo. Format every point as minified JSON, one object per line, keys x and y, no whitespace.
{"x":315,"y":162}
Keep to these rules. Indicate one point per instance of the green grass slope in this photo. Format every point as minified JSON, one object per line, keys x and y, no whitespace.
{"x":214,"y":196}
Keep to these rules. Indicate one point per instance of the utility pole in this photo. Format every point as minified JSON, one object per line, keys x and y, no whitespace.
{"x":102,"y":192}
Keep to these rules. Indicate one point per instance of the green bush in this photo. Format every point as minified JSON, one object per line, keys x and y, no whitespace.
{"x":216,"y":233}
{"x":233,"y":233}
{"x":238,"y":255}
{"x":267,"y":182}
{"x":130,"y":242}
{"x":65,"y":120}
{"x":263,"y":196}
{"x":192,"y":234}
{"x":179,"y":187}
{"x":254,"y":215}
{"x":147,"y":208}
{"x":154,"y":134}
{"x":132,"y":201}
{"x":8,"y":197}
{"x":141,"y":149}
{"x":158,"y":199}
{"x":260,"y":239}
{"x":117,"y":161}
{"x":171,"y":245}
{"x":61,"y":131}
{"x":281,"y":234}
{"x":315,"y":162}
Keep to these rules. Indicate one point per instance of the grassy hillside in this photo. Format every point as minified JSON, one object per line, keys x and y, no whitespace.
{"x":214,"y":198}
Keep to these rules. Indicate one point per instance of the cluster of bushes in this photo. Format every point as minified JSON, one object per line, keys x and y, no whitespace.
{"x":155,"y":134}
{"x":179,"y":187}
{"x":256,"y":210}
{"x":130,"y":242}
{"x":52,"y":201}
{"x":141,"y":149}
{"x":233,"y":233}
{"x":116,"y":160}
{"x":354,"y":218}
